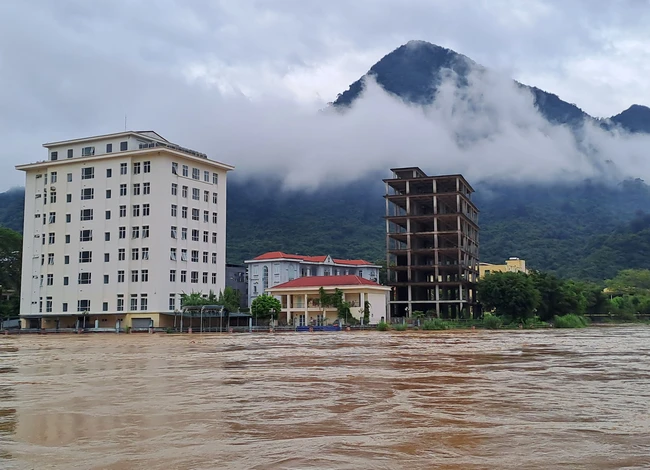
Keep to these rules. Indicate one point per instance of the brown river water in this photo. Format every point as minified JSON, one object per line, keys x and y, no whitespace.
{"x":542,"y":399}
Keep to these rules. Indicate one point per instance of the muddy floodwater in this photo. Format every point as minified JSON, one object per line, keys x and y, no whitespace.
{"x":551,"y":399}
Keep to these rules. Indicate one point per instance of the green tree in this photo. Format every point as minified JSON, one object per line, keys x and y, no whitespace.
{"x":194,"y":299}
{"x":630,"y":281}
{"x":229,"y":298}
{"x":509,"y":294}
{"x":10,"y":271}
{"x":264,"y":306}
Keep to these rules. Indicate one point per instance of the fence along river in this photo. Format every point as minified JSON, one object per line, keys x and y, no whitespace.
{"x":574,"y":399}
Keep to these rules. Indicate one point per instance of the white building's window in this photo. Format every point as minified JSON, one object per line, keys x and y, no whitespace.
{"x":196,"y":173}
{"x":52,"y":217}
{"x":87,"y":193}
{"x":206,"y":176}
{"x":120,"y":302}
{"x":172,"y":275}
{"x":109,"y":148}
{"x":184,"y":212}
{"x":174,"y":189}
{"x":194,"y":279}
{"x":173,"y":231}
{"x":135,"y":232}
{"x":195,"y":214}
{"x":186,"y":170}
{"x":120,"y":276}
{"x":121,"y":254}
{"x":83,"y":305}
{"x":195,"y":235}
{"x":195,"y":194}
{"x":184,"y":191}
{"x":145,"y":231}
{"x":53,"y":197}
{"x":206,"y":256}
{"x":135,"y":254}
{"x":172,"y":302}
{"x":206,"y":236}
{"x":70,"y":153}
{"x":54,"y":156}
{"x":105,"y":306}
{"x":214,"y":198}
{"x":146,"y":210}
{"x":124,"y":146}
{"x":134,"y":275}
{"x":134,"y":301}
{"x":184,"y":233}
{"x":84,"y":278}
{"x":136,"y":189}
{"x":214,"y":258}
{"x":174,"y":210}
{"x":124,"y":169}
{"x":87,"y":173}
{"x":172,"y":254}
{"x":122,"y":232}
{"x":255,"y":270}
{"x":123,"y":189}
{"x":106,"y":279}
{"x":136,"y":210}
{"x":143,"y":302}
{"x":86,"y":236}
{"x":146,"y":188}
{"x":183,"y":276}
{"x":214,"y":278}
{"x":136,"y":168}
{"x":215,"y":178}
{"x":206,"y":216}
{"x":214,"y":237}
{"x":50,"y":279}
{"x":87,"y":151}
{"x":145,"y":254}
{"x":146,"y":167}
{"x":85,"y":256}
{"x":174,"y":168}
{"x":86,"y":214}
{"x":183,"y":254}
{"x":53,"y":177}
{"x":195,"y":256}
{"x":144,"y":275}
{"x":69,"y":177}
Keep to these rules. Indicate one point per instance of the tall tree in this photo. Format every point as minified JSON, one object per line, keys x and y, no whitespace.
{"x":264,"y":306}
{"x":509,"y":294}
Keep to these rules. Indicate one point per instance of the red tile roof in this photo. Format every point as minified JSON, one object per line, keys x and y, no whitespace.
{"x":310,"y":259}
{"x":326,"y":281}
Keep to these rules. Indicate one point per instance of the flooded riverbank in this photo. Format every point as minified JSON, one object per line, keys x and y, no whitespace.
{"x":350,"y":400}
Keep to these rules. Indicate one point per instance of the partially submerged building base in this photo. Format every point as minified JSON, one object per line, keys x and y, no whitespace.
{"x":432,"y":243}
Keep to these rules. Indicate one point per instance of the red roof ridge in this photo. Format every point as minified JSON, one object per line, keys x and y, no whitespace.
{"x":327,"y":281}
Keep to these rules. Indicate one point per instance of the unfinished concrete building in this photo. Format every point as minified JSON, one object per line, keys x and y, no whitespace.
{"x":432,"y":244}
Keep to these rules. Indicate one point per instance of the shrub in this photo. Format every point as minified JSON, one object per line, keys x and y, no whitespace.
{"x":400,"y":327}
{"x":382,"y":326}
{"x":492,"y":322}
{"x":625,"y":316}
{"x":435,"y":324}
{"x":570,"y":321}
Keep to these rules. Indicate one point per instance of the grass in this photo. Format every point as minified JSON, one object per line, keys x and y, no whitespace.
{"x":436,"y":324}
{"x":570,"y":321}
{"x":383,"y":326}
{"x":400,"y":327}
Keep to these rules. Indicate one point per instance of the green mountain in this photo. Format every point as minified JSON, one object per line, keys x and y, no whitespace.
{"x":587,"y":230}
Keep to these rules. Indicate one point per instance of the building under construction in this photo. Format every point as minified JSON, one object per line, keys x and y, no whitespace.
{"x":432,"y":244}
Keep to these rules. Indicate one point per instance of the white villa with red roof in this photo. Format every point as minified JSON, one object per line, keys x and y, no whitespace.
{"x":300,"y":300}
{"x":274,"y":268}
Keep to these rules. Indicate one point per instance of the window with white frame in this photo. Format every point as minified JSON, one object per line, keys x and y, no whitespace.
{"x":183,"y":254}
{"x":88,"y":173}
{"x":87,"y":193}
{"x":186,"y":170}
{"x":121,"y":254}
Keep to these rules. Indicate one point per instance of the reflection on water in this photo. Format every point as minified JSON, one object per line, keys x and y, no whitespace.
{"x":469,"y":400}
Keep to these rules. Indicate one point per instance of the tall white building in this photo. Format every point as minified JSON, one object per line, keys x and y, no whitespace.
{"x":116,"y":228}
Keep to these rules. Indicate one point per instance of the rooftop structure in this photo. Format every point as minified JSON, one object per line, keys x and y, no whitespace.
{"x":432,"y":243}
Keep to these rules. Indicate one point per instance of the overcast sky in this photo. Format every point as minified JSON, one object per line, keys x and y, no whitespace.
{"x":70,"y":68}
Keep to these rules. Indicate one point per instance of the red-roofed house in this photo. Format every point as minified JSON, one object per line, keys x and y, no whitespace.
{"x":275,"y":267}
{"x":299,"y":299}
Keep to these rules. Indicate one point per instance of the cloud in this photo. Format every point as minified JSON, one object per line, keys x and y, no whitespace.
{"x":192,"y":69}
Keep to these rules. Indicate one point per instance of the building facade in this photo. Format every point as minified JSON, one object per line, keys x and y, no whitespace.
{"x":432,"y":244}
{"x":512,"y":265}
{"x":300,"y":300}
{"x":116,"y":228}
{"x":275,"y":267}
{"x":237,"y":279}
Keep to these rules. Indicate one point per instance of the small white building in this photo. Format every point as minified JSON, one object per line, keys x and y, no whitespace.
{"x":116,"y":228}
{"x":300,"y":299}
{"x":275,"y":267}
